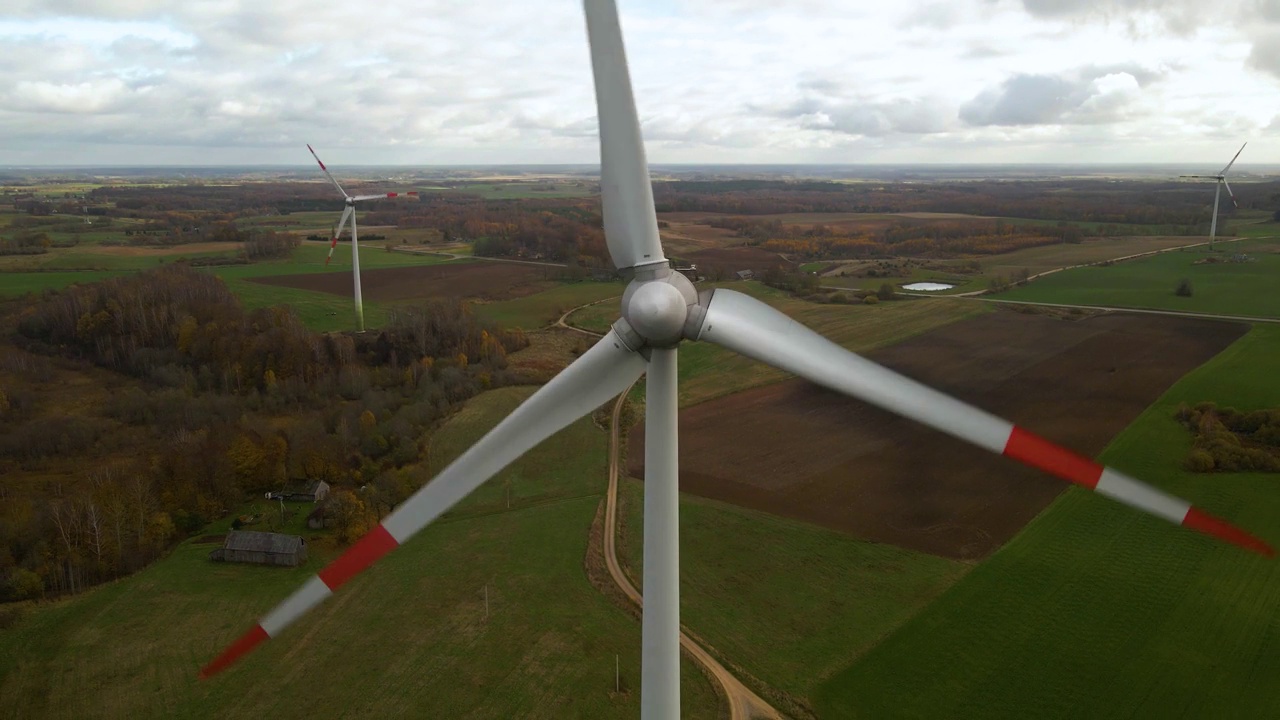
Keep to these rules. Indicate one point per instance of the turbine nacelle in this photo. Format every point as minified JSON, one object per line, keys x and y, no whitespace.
{"x":657,"y":308}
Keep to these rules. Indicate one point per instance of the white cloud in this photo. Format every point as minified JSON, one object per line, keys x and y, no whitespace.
{"x":716,"y":80}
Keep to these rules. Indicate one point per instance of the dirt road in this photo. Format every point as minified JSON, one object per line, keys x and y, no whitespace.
{"x":743,"y":703}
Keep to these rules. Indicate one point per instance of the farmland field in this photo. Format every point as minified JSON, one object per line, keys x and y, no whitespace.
{"x":1232,"y":288}
{"x":791,"y":602}
{"x":1097,"y":611}
{"x":709,"y":371}
{"x":534,"y":311}
{"x":409,"y":638}
{"x":1033,"y":261}
{"x":483,"y":280}
{"x":802,"y":451}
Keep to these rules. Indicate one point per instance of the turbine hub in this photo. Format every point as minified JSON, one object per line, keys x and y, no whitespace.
{"x":657,"y":309}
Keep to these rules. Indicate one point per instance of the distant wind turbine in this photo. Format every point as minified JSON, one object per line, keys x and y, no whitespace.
{"x":349,"y":212}
{"x":1221,"y":179}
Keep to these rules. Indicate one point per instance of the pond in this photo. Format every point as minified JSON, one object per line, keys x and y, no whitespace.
{"x":927,"y":286}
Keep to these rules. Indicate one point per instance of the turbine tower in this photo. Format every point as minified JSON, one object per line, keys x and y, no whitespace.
{"x":660,"y":310}
{"x":349,"y":212}
{"x":1221,"y":180}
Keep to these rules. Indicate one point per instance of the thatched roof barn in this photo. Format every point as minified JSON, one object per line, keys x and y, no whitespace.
{"x":262,"y":548}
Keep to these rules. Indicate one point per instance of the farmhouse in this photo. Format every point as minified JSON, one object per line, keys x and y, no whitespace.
{"x":746,"y":274}
{"x":303,"y":491}
{"x":262,"y":548}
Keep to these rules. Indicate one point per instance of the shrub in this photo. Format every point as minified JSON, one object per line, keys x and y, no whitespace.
{"x":885,"y":292}
{"x":870,"y":300}
{"x":1200,"y":461}
{"x":1183,"y":289}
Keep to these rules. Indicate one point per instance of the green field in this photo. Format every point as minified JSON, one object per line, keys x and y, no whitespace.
{"x":791,"y":602}
{"x":522,"y":190}
{"x":407,"y":639}
{"x":1223,"y":288}
{"x":539,"y":310}
{"x":1032,"y":260}
{"x":320,"y":311}
{"x":17,"y":284}
{"x":1097,"y":611}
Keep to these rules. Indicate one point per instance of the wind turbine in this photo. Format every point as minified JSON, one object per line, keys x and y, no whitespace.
{"x":1221,"y":179}
{"x":349,"y":212}
{"x":661,"y":309}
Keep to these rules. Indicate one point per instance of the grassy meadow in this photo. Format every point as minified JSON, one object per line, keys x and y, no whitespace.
{"x":542,"y":309}
{"x":409,"y":638}
{"x":790,"y":602}
{"x":1095,"y":610}
{"x":1033,"y":261}
{"x":1227,"y":288}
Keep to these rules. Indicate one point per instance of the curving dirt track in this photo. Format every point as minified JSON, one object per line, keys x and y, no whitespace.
{"x":804,"y":452}
{"x":476,"y":280}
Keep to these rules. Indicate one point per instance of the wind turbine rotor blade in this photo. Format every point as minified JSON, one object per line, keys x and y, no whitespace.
{"x":1229,"y":193}
{"x":1233,"y":160}
{"x":337,"y":232}
{"x":382,"y":196}
{"x":1201,"y":177}
{"x":326,"y":172}
{"x":660,"y":623}
{"x":626,"y":194}
{"x":601,"y":373}
{"x":752,"y":328}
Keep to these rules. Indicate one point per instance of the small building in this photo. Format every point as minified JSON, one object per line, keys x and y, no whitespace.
{"x":262,"y":548}
{"x":303,"y":491}
{"x":746,"y":274}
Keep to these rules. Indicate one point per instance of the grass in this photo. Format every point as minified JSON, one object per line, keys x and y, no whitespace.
{"x":409,"y":638}
{"x":322,"y":312}
{"x":596,"y":318}
{"x":1033,"y":260}
{"x":18,"y":284}
{"x":521,"y":190}
{"x":1222,"y":288}
{"x":791,"y":602}
{"x":541,"y":309}
{"x":1097,"y":611}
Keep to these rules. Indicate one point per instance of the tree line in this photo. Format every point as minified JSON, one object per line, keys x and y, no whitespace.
{"x":1174,"y":204}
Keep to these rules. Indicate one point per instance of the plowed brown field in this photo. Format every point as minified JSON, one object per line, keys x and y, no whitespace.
{"x":475,"y":280}
{"x":727,"y":261}
{"x":798,"y":450}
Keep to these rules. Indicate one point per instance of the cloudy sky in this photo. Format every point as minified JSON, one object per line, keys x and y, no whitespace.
{"x":758,"y":81}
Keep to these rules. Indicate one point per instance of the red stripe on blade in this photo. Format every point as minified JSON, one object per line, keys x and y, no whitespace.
{"x":361,"y":555}
{"x":1037,"y":452}
{"x":391,"y":194}
{"x":414,"y":193}
{"x":1197,"y":519}
{"x":247,"y":642}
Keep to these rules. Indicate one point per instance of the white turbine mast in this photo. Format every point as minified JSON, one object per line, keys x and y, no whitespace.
{"x":660,"y":310}
{"x":350,"y":212}
{"x":1220,"y":179}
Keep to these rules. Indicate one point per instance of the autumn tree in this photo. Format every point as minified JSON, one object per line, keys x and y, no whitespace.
{"x":351,"y":517}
